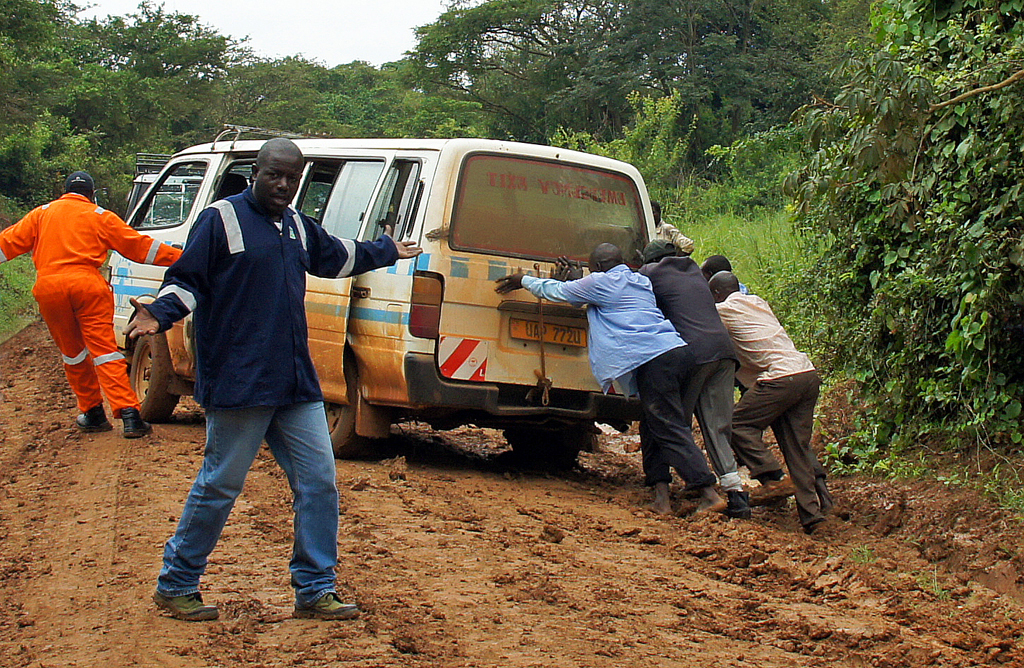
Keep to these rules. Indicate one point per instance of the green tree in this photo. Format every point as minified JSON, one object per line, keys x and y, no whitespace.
{"x":537,"y":66}
{"x":911,"y":195}
{"x":351,"y":100}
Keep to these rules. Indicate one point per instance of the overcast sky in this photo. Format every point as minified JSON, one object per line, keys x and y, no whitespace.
{"x":329,"y":32}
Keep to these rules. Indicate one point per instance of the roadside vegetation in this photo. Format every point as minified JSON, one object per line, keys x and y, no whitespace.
{"x":860,"y":163}
{"x":16,"y":279}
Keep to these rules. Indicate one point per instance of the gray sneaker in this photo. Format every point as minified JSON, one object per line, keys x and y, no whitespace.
{"x":328,"y":606}
{"x":188,"y":607}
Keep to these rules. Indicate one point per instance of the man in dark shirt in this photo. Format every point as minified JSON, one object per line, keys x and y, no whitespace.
{"x":243,"y":272}
{"x":683,"y":296}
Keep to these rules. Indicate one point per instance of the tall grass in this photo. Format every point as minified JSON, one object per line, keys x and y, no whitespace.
{"x":16,"y":279}
{"x":16,"y":303}
{"x":754,"y":242}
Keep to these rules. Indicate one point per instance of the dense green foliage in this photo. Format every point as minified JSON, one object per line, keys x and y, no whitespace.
{"x":16,"y":278}
{"x":543,"y":66}
{"x":911,"y":199}
{"x":90,"y":94}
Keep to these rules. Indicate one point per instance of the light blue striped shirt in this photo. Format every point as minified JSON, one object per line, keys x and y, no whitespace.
{"x":627,"y":328}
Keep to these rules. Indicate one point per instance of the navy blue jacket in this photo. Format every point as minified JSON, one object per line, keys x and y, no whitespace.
{"x":246,"y":281}
{"x":684,"y":297}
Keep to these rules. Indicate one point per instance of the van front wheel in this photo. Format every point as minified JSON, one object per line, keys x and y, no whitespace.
{"x":151,"y":376}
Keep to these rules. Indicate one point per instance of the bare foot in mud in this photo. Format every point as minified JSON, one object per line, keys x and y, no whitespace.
{"x":661,"y":504}
{"x":711,"y":502}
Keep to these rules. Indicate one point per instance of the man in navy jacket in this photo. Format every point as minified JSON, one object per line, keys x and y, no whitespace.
{"x":683,"y":296}
{"x":243,"y":273}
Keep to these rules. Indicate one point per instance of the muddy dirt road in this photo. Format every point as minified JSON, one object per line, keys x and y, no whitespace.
{"x":457,"y":560}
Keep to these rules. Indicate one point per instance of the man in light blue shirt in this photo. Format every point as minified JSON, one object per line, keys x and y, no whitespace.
{"x":631,"y":342}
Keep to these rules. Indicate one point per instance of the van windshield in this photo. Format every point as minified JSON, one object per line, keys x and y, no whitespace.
{"x":532,"y":208}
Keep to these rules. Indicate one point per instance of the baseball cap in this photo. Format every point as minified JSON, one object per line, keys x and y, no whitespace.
{"x":658,"y":249}
{"x":79,"y":182}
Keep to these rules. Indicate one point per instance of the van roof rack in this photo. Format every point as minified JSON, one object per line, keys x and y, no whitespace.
{"x":236,"y":132}
{"x":150,"y":163}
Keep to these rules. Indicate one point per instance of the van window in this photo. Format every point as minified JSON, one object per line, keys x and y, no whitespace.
{"x":532,"y":208}
{"x":234,"y":180}
{"x":140,"y":186}
{"x":346,"y":205}
{"x":395,"y":205}
{"x":172,"y":199}
{"x":313,"y":197}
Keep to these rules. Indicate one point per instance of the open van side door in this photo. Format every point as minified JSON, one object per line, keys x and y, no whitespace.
{"x":336,"y":193}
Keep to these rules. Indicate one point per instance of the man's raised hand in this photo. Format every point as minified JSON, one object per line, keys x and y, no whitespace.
{"x":407,"y":249}
{"x":142,"y":322}
{"x":507,"y":284}
{"x":566,"y":269}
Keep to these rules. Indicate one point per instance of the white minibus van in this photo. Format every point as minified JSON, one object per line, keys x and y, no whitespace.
{"x":427,"y":339}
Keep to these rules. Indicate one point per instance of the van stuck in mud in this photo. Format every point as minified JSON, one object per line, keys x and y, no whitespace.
{"x":427,"y":339}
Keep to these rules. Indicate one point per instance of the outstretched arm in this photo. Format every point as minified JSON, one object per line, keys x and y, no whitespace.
{"x":135,"y":246}
{"x":507,"y":284}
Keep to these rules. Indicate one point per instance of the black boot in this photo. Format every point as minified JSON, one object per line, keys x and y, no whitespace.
{"x":94,"y":419}
{"x":739,"y":505}
{"x":134,"y":425}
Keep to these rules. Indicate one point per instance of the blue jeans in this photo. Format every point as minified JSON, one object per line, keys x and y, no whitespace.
{"x":299,"y":440}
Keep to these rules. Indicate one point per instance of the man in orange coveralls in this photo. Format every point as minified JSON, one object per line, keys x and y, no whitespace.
{"x":69,"y":239}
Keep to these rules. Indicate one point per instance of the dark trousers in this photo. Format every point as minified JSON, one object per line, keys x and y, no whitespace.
{"x":787,"y":406}
{"x":667,"y":442}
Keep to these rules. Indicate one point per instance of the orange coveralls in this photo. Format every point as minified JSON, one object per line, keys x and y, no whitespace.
{"x":69,"y":239}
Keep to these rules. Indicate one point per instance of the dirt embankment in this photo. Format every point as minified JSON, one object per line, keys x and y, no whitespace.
{"x":458,"y":560}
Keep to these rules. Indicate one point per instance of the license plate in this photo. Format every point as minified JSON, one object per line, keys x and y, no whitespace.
{"x":557,"y":334}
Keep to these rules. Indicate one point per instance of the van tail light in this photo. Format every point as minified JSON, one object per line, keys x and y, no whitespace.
{"x":425,"y":314}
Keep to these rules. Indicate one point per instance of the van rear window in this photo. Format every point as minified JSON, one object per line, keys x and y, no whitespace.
{"x":530,"y":208}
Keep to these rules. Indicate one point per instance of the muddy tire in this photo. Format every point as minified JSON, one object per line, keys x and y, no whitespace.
{"x":341,"y":420}
{"x":151,"y":375}
{"x":554,"y":448}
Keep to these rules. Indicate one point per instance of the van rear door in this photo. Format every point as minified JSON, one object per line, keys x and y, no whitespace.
{"x":520,"y":213}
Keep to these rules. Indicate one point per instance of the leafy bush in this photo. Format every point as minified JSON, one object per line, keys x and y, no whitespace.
{"x":911,"y":194}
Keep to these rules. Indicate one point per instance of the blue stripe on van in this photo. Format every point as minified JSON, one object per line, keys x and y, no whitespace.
{"x":497,"y":269}
{"x":378,"y":315}
{"x":331,"y":310}
{"x":408,"y":267}
{"x":460,"y":267}
{"x":125,"y":287}
{"x":422,"y":263}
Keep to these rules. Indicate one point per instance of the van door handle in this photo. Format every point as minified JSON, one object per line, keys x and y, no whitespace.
{"x":360,"y":293}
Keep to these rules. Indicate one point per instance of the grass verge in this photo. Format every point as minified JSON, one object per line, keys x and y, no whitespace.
{"x":17,"y":307}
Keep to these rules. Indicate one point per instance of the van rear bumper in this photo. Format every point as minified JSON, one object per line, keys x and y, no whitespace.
{"x":428,"y":388}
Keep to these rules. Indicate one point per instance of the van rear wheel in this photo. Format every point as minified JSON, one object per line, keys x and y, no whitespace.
{"x":151,"y":375}
{"x":551,"y":447}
